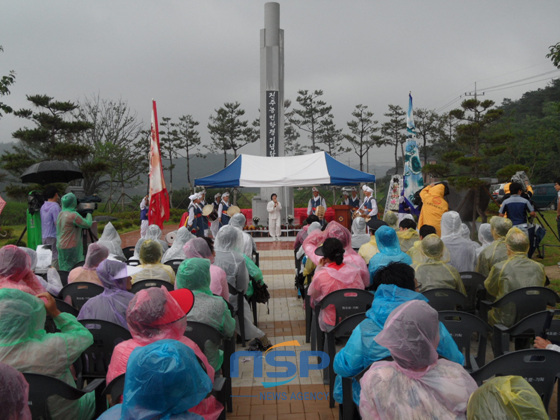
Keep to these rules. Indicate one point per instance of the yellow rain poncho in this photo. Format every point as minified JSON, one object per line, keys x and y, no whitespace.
{"x":497,"y":250}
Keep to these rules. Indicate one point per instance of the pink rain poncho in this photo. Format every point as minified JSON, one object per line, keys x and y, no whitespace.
{"x":13,"y":394}
{"x":154,"y":315}
{"x":416,"y":385}
{"x":15,"y":271}
{"x":111,"y":305}
{"x":164,"y":380}
{"x":69,"y":226}
{"x":198,"y":248}
{"x":351,"y":257}
{"x":111,"y":240}
{"x":95,"y":255}
{"x":26,"y":346}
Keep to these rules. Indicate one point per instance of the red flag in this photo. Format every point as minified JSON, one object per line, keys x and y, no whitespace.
{"x":159,"y":199}
{"x":2,"y":204}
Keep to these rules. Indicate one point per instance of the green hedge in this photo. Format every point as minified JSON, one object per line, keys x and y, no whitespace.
{"x":15,"y":213}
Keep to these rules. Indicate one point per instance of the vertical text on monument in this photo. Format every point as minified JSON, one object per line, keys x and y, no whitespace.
{"x":272,"y":123}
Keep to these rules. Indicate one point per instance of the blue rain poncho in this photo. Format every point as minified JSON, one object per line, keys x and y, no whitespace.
{"x":163,"y":381}
{"x":26,"y":346}
{"x":514,"y":273}
{"x":389,"y":251}
{"x":194,"y":274}
{"x":435,"y":272}
{"x":69,"y":226}
{"x":462,"y":251}
{"x":506,"y":398}
{"x":362,"y":350}
{"x":111,"y":305}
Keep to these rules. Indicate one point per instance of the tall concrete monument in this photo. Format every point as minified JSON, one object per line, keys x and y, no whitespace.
{"x":272,"y":108}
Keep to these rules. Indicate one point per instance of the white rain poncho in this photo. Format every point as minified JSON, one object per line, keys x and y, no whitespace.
{"x":164,"y":380}
{"x":228,"y":246}
{"x":26,"y":346}
{"x":69,"y":226}
{"x":506,"y":398}
{"x":514,"y":273}
{"x":435,"y":272}
{"x":461,"y":250}
{"x":154,"y":233}
{"x":389,"y":251}
{"x":497,"y":250}
{"x":96,"y":254}
{"x":15,"y":271}
{"x":152,"y":268}
{"x":484,"y":237}
{"x":199,"y":248}
{"x":175,"y":252}
{"x":53,"y":284}
{"x":14,"y":391}
{"x":238,"y":221}
{"x":416,"y":385}
{"x":359,"y":234}
{"x":194,"y":274}
{"x":111,"y":240}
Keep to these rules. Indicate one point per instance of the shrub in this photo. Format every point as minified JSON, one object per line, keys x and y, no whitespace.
{"x":15,"y":213}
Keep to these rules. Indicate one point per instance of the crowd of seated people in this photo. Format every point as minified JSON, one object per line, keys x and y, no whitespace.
{"x":415,"y":367}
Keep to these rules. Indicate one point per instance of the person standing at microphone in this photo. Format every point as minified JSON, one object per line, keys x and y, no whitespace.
{"x":274,"y":209}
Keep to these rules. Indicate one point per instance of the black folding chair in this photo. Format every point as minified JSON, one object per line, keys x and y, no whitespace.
{"x":474,"y":286}
{"x":342,"y":330}
{"x":41,"y":387}
{"x":128,"y":252}
{"x":174,"y":264}
{"x":146,"y":284}
{"x":464,"y":328}
{"x":523,"y":332}
{"x":80,"y":292}
{"x":97,"y":357}
{"x":113,"y":391}
{"x":443,"y":299}
{"x":539,"y":367}
{"x":63,"y":277}
{"x":240,"y":313}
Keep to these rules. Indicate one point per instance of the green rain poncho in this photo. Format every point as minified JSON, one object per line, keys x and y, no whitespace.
{"x":69,"y":227}
{"x":435,"y":272}
{"x":496,"y":251}
{"x":516,"y":272}
{"x":194,"y":274}
{"x":25,"y":345}
{"x":506,"y":398}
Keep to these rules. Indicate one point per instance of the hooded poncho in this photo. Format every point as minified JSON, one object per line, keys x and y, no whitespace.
{"x":69,"y":227}
{"x":462,"y":251}
{"x":389,"y":251}
{"x":416,"y":385}
{"x":497,"y":250}
{"x":13,"y":394}
{"x":15,"y":271}
{"x":96,"y":254}
{"x":176,"y":251}
{"x":152,"y":268}
{"x":111,"y":240}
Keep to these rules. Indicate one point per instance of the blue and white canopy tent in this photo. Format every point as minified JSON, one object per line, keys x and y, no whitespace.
{"x":286,"y":171}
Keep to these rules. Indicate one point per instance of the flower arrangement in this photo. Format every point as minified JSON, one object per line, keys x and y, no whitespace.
{"x":256,"y":220}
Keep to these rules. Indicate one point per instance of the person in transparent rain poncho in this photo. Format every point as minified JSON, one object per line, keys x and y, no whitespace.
{"x":337,"y":231}
{"x":330,"y":275}
{"x":26,"y":346}
{"x":53,"y":284}
{"x":506,"y":398}
{"x":415,"y":252}
{"x":200,"y":248}
{"x":514,"y":273}
{"x":407,"y":234}
{"x":14,"y":391}
{"x":96,"y":254}
{"x":435,"y":272}
{"x":416,"y":384}
{"x":194,"y":274}
{"x":229,"y":257}
{"x":370,"y":248}
{"x":150,"y":263}
{"x":175,"y":252}
{"x":359,"y":233}
{"x":238,"y":221}
{"x":392,"y":219}
{"x":164,"y":380}
{"x":461,"y":250}
{"x":110,"y":305}
{"x":389,"y":251}
{"x":485,"y":237}
{"x":394,"y":284}
{"x":155,"y":314}
{"x":154,"y":233}
{"x":69,"y":227}
{"x":111,"y":240}
{"x":15,"y":271}
{"x":497,"y":250}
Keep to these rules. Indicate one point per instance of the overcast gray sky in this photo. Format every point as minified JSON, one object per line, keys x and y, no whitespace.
{"x":193,"y":56}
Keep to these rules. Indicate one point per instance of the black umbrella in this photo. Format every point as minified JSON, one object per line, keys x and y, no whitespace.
{"x":51,"y":171}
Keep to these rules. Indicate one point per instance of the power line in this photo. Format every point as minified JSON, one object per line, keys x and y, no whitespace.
{"x":522,"y":84}
{"x":520,"y":80}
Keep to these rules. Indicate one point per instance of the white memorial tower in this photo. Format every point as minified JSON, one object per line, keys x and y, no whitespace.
{"x":272,"y":108}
